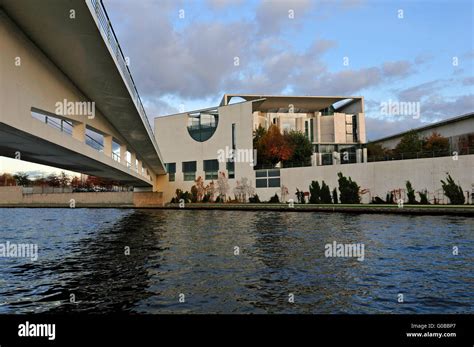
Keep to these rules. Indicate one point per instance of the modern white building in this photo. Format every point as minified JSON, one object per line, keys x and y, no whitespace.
{"x":203,"y":143}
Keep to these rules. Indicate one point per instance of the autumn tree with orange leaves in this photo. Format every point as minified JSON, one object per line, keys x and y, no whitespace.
{"x":435,"y":142}
{"x":272,"y":147}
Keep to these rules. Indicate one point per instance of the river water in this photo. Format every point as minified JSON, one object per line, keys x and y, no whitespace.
{"x":178,"y":261}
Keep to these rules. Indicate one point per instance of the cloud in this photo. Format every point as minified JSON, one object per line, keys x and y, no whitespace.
{"x":156,"y":107}
{"x":192,"y":62}
{"x":396,"y":68}
{"x":420,"y":91}
{"x":438,"y":107}
{"x":223,"y":4}
{"x":272,"y":15}
{"x":468,"y":81}
{"x":378,"y":128}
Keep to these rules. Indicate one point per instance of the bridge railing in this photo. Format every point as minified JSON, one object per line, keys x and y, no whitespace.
{"x":107,"y":31}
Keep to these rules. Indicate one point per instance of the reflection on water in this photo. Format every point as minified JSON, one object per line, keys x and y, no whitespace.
{"x":112,"y":260}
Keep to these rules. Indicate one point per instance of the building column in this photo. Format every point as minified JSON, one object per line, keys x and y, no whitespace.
{"x":139,"y":168}
{"x":364,"y":155}
{"x":359,"y":155}
{"x":108,"y":145}
{"x":299,"y":123}
{"x":123,"y":154}
{"x":133,"y":159}
{"x":79,"y":131}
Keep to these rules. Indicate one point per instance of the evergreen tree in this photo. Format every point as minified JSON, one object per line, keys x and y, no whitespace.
{"x":315,"y":193}
{"x":453,"y":191}
{"x":325,"y":194}
{"x":349,"y":190}
{"x":334,"y":196}
{"x":411,"y":194}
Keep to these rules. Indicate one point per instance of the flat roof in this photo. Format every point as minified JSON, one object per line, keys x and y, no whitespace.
{"x":274,"y":102}
{"x":429,"y":126}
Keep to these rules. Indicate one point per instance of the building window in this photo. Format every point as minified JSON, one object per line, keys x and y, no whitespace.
{"x":355,"y":132}
{"x":94,"y":138}
{"x":328,"y":111}
{"x":233,"y":136}
{"x":128,"y":159}
{"x":189,"y":171}
{"x":211,"y":168}
{"x":230,"y":166}
{"x":267,"y":178}
{"x":202,"y":125}
{"x":63,"y":125}
{"x":309,"y":129}
{"x":115,"y":150}
{"x":171,"y":168}
{"x":347,"y":154}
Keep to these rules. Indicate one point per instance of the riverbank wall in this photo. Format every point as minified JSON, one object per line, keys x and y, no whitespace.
{"x":16,"y":197}
{"x":464,"y":210}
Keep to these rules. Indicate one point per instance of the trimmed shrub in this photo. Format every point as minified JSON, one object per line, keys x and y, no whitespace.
{"x":274,"y":199}
{"x":206,"y":198}
{"x":377,"y":201}
{"x":254,"y":199}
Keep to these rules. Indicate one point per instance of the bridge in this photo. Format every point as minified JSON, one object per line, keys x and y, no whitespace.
{"x":67,"y":97}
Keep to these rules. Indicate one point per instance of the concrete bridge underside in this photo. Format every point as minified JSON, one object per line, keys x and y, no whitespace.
{"x":48,"y":57}
{"x":14,"y":142}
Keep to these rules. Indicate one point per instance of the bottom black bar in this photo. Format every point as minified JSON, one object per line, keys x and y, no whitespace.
{"x":68,"y":330}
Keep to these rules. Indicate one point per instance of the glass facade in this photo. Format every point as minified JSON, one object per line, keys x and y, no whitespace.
{"x":202,"y":125}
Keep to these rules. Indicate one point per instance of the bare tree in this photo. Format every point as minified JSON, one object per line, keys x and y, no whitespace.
{"x":222,"y":186}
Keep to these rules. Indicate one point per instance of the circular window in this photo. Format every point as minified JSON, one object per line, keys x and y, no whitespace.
{"x":202,"y":125}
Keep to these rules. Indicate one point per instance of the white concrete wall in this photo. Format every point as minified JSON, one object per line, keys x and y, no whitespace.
{"x":379,"y":178}
{"x":177,"y":146}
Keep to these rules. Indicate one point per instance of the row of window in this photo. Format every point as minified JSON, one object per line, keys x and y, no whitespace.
{"x":93,"y":137}
{"x":189,"y":168}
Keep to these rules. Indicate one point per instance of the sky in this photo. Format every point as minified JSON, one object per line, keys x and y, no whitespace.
{"x":184,"y":55}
